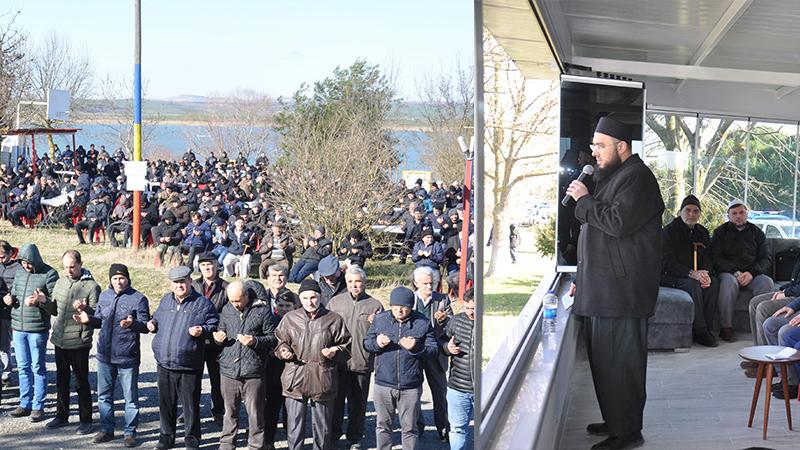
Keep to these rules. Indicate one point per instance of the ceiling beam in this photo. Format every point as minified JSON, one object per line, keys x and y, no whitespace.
{"x":687,"y":72}
{"x":720,"y":29}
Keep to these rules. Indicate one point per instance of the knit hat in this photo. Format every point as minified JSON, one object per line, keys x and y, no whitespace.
{"x":320,"y":228}
{"x":690,"y":200}
{"x":309,"y":285}
{"x":118,"y":269}
{"x":402,"y":296}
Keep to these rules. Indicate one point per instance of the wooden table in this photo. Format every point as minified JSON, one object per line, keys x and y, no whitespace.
{"x":757,"y":355}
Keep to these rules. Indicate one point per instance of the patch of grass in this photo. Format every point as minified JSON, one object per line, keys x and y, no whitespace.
{"x":507,"y":296}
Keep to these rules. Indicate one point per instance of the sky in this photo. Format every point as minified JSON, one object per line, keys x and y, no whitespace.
{"x":203,"y":47}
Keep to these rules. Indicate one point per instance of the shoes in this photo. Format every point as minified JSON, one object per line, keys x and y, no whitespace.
{"x":20,"y":412}
{"x":58,"y":422}
{"x":444,"y":435}
{"x":727,"y":334}
{"x":164,"y":443}
{"x":631,"y":440}
{"x":705,"y":339}
{"x":777,"y":391}
{"x":129,"y":441}
{"x":84,"y":428}
{"x":748,"y":365}
{"x":37,"y":415}
{"x":598,"y":429}
{"x":102,"y":436}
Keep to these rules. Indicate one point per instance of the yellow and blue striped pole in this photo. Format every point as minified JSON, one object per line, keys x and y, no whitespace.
{"x":137,"y":119}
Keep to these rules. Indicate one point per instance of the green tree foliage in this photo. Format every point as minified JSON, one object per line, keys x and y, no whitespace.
{"x":546,"y":238}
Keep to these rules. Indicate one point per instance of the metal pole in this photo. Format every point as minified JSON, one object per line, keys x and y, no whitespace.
{"x":33,"y":154}
{"x":747,"y":163}
{"x":794,"y":193}
{"x":478,"y":208}
{"x":137,"y":119}
{"x":462,"y":267}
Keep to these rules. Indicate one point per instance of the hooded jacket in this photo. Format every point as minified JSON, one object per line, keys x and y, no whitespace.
{"x":66,"y":333}
{"x":33,"y":319}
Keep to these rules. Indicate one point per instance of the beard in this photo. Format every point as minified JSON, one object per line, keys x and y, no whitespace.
{"x":611,"y":166}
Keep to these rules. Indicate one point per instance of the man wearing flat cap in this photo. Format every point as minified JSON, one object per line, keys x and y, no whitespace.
{"x":311,"y":340}
{"x":686,"y":260}
{"x":401,"y":339}
{"x":122,"y":314}
{"x":182,"y":323}
{"x":742,"y":260}
{"x":331,"y":281}
{"x":616,"y":287}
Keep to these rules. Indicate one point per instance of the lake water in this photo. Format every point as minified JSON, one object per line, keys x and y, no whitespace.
{"x":173,"y":138}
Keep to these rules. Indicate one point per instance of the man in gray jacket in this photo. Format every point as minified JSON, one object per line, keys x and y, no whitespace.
{"x":358,"y":310}
{"x":8,"y":268}
{"x":246,"y":333}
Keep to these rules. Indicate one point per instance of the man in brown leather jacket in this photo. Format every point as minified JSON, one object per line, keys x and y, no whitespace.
{"x":311,"y":340}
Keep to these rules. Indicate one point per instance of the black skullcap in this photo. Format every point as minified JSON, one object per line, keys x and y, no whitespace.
{"x":402,"y":296}
{"x":309,"y":285}
{"x":690,"y":200}
{"x":614,"y":128}
{"x":118,"y":269}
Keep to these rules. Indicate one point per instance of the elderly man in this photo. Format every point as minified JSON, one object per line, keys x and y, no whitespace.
{"x":8,"y":268}
{"x":246,"y":333}
{"x":331,"y":281}
{"x":741,"y":257}
{"x":436,"y":307}
{"x":619,"y":270}
{"x":32,"y":289}
{"x":311,"y":340}
{"x":401,"y":339}
{"x":276,"y":248}
{"x":75,"y":292}
{"x":122,"y":314}
{"x":182,"y":323}
{"x":358,"y":310}
{"x":214,"y":288}
{"x":686,"y":261}
{"x":276,"y":284}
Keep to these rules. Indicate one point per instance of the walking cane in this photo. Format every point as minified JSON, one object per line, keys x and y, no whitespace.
{"x":695,"y":246}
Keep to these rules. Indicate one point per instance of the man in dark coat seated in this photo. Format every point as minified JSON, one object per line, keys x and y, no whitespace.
{"x":742,"y":260}
{"x":619,"y":270}
{"x":687,"y":265}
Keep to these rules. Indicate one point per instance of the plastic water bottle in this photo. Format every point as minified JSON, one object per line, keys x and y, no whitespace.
{"x":550,"y":310}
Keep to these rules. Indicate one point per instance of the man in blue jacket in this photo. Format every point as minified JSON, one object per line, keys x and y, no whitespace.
{"x":182,"y":323}
{"x":122,"y":314}
{"x":400,"y":338}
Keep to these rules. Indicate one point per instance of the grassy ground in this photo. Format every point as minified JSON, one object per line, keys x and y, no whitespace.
{"x":383,"y":276}
{"x":507,"y":296}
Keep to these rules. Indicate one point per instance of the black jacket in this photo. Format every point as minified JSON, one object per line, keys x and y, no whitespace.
{"x":347,"y":251}
{"x":678,"y":252}
{"x":619,"y":246}
{"x":238,"y":361}
{"x":462,"y":366}
{"x":745,"y":251}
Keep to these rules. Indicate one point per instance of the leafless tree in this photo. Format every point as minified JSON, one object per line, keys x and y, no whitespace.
{"x":13,"y":76}
{"x":447,"y":108}
{"x":238,"y":123}
{"x":519,"y":139}
{"x":56,"y":65}
{"x":116,"y":115}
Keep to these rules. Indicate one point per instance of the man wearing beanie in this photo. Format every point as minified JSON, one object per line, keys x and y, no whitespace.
{"x":686,"y":265}
{"x":618,"y":273}
{"x":427,"y":252}
{"x":74,"y":292}
{"x":121,"y":314}
{"x":311,"y":340}
{"x":400,"y":339}
{"x":182,"y":323}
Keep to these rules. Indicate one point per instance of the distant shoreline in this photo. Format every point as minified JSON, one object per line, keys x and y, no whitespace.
{"x":201,"y":123}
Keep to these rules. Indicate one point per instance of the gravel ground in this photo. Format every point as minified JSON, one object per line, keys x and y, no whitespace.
{"x":19,"y":433}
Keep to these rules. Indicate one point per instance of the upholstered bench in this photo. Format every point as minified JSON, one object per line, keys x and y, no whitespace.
{"x":670,"y":327}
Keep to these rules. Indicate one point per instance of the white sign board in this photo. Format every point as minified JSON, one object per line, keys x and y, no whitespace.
{"x":136,"y":175}
{"x":57,"y":104}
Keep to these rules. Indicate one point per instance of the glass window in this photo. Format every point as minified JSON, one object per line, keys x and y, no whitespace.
{"x":669,"y":145}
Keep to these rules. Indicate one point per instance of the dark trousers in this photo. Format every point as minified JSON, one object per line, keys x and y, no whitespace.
{"x":86,"y":225}
{"x":16,"y":215}
{"x":115,"y":228}
{"x":321,"y":417}
{"x":251,"y":392}
{"x":172,"y":385}
{"x":705,"y":300}
{"x":354,"y":387}
{"x":617,"y":349}
{"x":437,"y":382}
{"x":76,"y":362}
{"x":272,"y":409}
{"x":212,"y":365}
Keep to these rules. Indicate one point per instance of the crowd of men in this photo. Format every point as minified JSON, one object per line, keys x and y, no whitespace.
{"x":276,"y":351}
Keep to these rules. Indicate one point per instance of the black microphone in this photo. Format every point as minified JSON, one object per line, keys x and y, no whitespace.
{"x":587,"y":171}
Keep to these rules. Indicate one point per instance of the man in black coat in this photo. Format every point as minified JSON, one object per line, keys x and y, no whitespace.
{"x":687,"y":266}
{"x":742,"y":259}
{"x":619,"y":268}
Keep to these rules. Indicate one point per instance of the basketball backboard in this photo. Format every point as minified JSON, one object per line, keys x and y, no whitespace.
{"x":57,"y":104}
